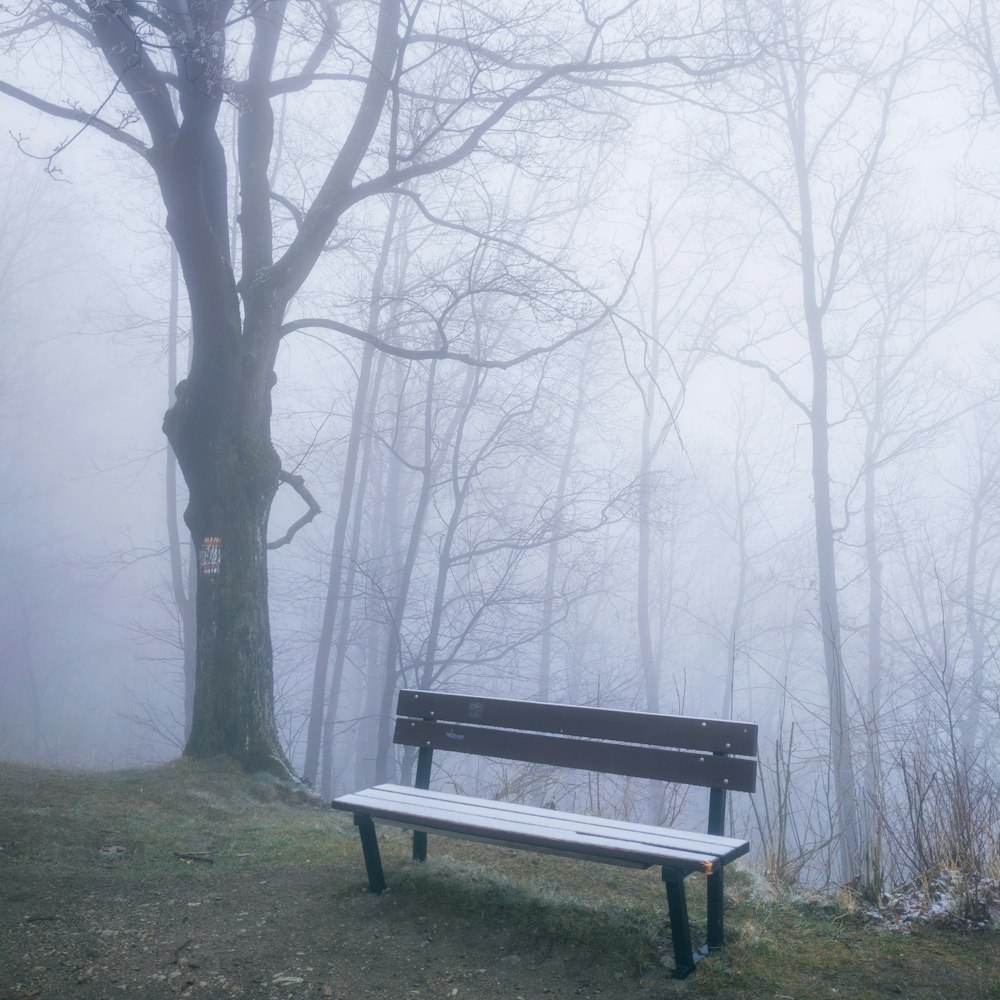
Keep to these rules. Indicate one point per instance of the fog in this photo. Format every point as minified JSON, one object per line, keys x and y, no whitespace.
{"x":746,"y":465}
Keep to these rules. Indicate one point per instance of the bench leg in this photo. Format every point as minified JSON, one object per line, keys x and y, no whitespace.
{"x":369,"y":845}
{"x":425,"y":757}
{"x":716,"y":924}
{"x":419,"y":845}
{"x":680,"y":928}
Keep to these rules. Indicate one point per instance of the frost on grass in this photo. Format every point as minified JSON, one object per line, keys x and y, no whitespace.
{"x":952,"y":898}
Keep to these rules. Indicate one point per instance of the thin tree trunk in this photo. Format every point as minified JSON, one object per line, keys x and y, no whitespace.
{"x":736,"y":619}
{"x":429,"y":470}
{"x":182,"y":590}
{"x":343,"y":637}
{"x":335,"y":580}
{"x":374,"y":634}
{"x":977,"y":644}
{"x":870,"y":813}
{"x":841,"y":756}
{"x":393,"y":666}
{"x":552,"y":560}
{"x":842,"y":760}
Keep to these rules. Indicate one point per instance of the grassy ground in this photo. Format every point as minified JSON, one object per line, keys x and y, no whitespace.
{"x":198,"y":880}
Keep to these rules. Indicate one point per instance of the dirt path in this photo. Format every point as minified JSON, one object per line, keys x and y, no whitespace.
{"x":292,"y":935}
{"x":83,"y":916}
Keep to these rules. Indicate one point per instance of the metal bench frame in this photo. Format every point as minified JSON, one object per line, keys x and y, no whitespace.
{"x":711,"y":753}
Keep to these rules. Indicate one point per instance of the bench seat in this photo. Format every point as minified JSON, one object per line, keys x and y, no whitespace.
{"x":545,"y":830}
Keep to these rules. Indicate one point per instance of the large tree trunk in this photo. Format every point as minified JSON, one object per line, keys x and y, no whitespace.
{"x":219,"y":428}
{"x":220,"y":434}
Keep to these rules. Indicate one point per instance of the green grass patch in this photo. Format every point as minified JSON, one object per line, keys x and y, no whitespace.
{"x":129,"y":827}
{"x":135,"y":823}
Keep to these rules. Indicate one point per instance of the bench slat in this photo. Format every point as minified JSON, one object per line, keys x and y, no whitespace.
{"x":407,"y":797}
{"x":542,"y":829}
{"x":611,"y":826}
{"x":706,"y":770}
{"x":711,"y":735}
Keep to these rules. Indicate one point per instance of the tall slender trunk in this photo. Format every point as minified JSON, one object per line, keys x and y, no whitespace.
{"x":736,"y":618}
{"x":335,"y":576}
{"x":870,"y":810}
{"x":366,"y":763}
{"x":183,"y":590}
{"x":648,"y":661}
{"x":841,"y":753}
{"x":977,"y":641}
{"x":344,"y":631}
{"x":393,"y":666}
{"x":873,"y":560}
{"x":460,"y":486}
{"x":384,"y":517}
{"x":846,"y":830}
{"x":552,"y":559}
{"x":335,"y":580}
{"x":429,"y":472}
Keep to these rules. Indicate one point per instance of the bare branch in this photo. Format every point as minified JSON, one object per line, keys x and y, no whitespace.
{"x":443,"y":353}
{"x":773,"y":375}
{"x":298,"y":484}
{"x":293,"y":210}
{"x":87,"y":119}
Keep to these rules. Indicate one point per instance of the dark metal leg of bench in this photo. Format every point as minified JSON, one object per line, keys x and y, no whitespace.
{"x":716,"y":923}
{"x":419,"y":845}
{"x":369,"y":845}
{"x":425,"y":757}
{"x":716,"y":827}
{"x":680,"y":928}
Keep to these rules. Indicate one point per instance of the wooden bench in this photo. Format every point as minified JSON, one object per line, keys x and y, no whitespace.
{"x":715,"y":754}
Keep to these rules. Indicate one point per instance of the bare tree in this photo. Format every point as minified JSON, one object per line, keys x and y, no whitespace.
{"x":827,"y":97}
{"x":159,"y":81}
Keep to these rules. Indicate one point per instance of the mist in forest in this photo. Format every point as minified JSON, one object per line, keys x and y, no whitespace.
{"x":712,"y":429}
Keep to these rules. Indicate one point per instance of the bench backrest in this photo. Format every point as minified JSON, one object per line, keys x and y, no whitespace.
{"x":712,"y":753}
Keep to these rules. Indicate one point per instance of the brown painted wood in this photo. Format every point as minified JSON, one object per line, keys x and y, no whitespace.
{"x":704,"y":769}
{"x":711,"y":735}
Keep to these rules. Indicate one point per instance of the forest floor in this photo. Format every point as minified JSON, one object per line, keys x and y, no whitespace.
{"x":196,"y":880}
